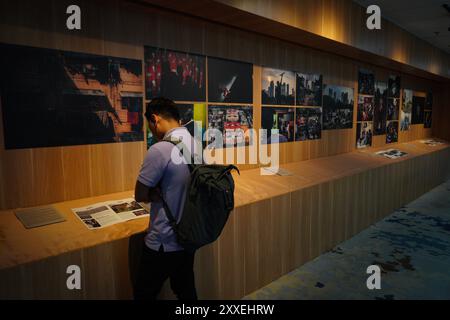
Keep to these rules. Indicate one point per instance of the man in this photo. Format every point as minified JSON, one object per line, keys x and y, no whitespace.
{"x":164,"y":173}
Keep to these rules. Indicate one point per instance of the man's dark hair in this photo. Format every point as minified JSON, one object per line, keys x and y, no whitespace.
{"x":162,"y":107}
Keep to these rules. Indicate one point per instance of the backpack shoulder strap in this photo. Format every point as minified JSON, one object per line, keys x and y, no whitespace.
{"x":169,"y":214}
{"x":189,"y":157}
{"x":167,"y":210}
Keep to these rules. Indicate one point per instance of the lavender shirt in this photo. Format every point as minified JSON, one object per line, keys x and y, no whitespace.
{"x":174,"y":179}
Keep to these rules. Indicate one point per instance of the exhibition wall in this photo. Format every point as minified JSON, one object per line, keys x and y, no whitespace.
{"x":47,"y":174}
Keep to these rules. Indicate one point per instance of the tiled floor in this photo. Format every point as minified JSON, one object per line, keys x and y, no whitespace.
{"x":411,"y":246}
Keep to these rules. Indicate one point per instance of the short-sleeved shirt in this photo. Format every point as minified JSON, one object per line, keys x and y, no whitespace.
{"x":173,"y":177}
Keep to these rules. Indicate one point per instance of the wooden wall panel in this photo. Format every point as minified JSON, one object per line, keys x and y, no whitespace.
{"x":345,"y":21}
{"x":65,"y":173}
{"x":441,"y":114}
{"x":76,"y":172}
{"x":107,"y":168}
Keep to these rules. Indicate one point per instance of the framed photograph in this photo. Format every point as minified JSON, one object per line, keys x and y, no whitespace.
{"x":418,"y":108}
{"x":232,"y":122}
{"x":429,"y":101}
{"x":55,"y":98}
{"x":380,"y":109}
{"x":393,"y":107}
{"x":428,"y":115}
{"x":278,"y":87}
{"x":406,"y":110}
{"x":309,"y":90}
{"x":230,"y":81}
{"x":364,"y":134}
{"x":281,"y":119}
{"x":179,"y":76}
{"x":308,"y":124}
{"x":394,"y":87}
{"x":190,"y":116}
{"x":338,"y":104}
{"x":391,"y":132}
{"x":365,"y":108}
{"x":366,"y":82}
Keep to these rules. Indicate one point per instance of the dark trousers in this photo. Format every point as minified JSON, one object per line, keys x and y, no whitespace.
{"x":157,"y":266}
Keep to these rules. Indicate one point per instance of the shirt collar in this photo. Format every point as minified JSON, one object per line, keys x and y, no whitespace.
{"x":171,"y":131}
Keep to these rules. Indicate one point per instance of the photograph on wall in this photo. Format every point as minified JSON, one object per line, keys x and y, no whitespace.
{"x":179,"y":76}
{"x":364,"y":133}
{"x":391,"y":132}
{"x":281,"y":119}
{"x":427,"y":119}
{"x":393,"y":107}
{"x":337,"y":107}
{"x":380,"y":109}
{"x":59,"y":98}
{"x":406,"y":110}
{"x":418,"y":108}
{"x":233,"y":122}
{"x":394,"y":86}
{"x":365,"y":108}
{"x":366,"y":82}
{"x":308,"y":124}
{"x":189,"y":113}
{"x":429,"y":101}
{"x":278,"y":87}
{"x":309,"y":90}
{"x":230,"y":81}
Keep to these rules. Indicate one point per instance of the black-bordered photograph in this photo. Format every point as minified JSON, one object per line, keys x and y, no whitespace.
{"x":278,"y":87}
{"x":366,"y":82}
{"x":126,"y":206}
{"x":230,"y":81}
{"x":364,"y":134}
{"x":391,"y":132}
{"x":308,"y":124}
{"x":55,"y":98}
{"x":365,"y":108}
{"x":429,"y":101}
{"x":281,"y":119}
{"x":406,"y":110}
{"x":394,"y":86}
{"x":232,"y":123}
{"x":338,"y":105}
{"x":393,"y":109}
{"x":380,"y":109}
{"x":427,"y":119}
{"x":418,"y":108}
{"x":309,"y":90}
{"x":191,"y":115}
{"x":175,"y":75}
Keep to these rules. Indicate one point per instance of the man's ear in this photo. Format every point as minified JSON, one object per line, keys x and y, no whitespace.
{"x":153,"y":118}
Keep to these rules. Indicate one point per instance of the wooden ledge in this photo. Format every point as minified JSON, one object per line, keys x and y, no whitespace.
{"x":19,"y":245}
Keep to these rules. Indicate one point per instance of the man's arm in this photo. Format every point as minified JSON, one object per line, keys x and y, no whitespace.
{"x":142,"y":193}
{"x":147,"y":184}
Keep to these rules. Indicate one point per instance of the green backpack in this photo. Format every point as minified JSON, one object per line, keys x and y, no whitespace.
{"x":209,"y":201}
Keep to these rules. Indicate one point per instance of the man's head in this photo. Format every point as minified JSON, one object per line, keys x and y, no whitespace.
{"x":162,"y":115}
